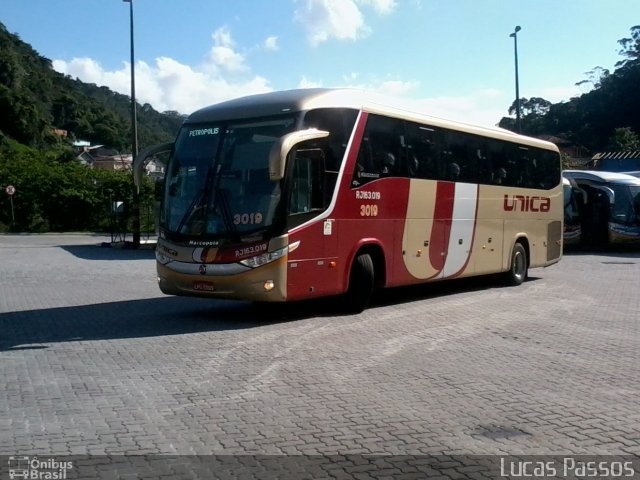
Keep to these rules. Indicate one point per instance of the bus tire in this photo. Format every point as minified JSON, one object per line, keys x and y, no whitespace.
{"x":519,"y":266}
{"x":361,"y":284}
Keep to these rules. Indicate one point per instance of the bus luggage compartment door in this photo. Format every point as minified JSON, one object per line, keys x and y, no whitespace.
{"x":554,"y":240}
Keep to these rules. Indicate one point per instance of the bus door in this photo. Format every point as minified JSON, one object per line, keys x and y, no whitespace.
{"x":312,"y":272}
{"x":595,"y":222}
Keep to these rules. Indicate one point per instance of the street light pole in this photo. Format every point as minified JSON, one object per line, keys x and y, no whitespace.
{"x":135,"y":208}
{"x":515,"y":52}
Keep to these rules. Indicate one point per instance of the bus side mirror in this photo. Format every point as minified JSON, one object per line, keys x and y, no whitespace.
{"x":280,"y":150}
{"x":140,"y":160}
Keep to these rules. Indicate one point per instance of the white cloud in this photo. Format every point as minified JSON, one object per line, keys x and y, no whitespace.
{"x":560,"y":94}
{"x":306,"y":83}
{"x":483,"y":107}
{"x":271,"y":43}
{"x":476,"y":108}
{"x":168,"y":84}
{"x":222,"y":37}
{"x":382,"y":7}
{"x":339,"y":19}
{"x":395,"y":88}
{"x":223,"y":54}
{"x":490,"y":93}
{"x":325,"y":19}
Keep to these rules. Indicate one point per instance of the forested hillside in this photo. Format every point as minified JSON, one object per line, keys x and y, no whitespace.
{"x":34,"y":99}
{"x":52,"y":191}
{"x":596,"y":118}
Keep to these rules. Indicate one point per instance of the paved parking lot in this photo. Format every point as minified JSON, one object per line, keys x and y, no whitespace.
{"x":95,"y":360}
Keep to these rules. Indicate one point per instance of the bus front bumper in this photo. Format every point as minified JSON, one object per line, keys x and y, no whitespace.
{"x":267,"y":283}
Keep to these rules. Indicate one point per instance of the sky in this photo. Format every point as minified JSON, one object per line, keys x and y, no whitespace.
{"x":450,"y":58}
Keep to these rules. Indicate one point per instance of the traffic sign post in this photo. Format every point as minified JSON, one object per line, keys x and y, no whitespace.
{"x":11,"y":190}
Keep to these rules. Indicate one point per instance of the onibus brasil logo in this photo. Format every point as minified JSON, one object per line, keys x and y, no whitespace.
{"x":40,"y":469}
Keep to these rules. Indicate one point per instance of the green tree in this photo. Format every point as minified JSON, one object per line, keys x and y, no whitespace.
{"x":630,"y":49}
{"x":532,"y":113}
{"x":595,"y":77}
{"x":624,"y":139}
{"x":591,"y":119}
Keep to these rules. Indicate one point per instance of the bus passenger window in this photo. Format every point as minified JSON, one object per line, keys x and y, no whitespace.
{"x":460,"y":150}
{"x":381,"y":150}
{"x":498,"y":163}
{"x":422,"y":154}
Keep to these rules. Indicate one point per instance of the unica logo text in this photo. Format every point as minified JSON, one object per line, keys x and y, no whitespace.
{"x":525,"y":203}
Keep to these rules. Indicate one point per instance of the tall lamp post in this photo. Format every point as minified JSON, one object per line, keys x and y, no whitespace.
{"x":135,"y":208}
{"x":515,"y":52}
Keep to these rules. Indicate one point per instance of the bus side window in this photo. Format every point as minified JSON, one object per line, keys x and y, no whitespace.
{"x":498,"y":163}
{"x":423,"y":159}
{"x":381,"y":152}
{"x":550,"y":165}
{"x":460,"y":155}
{"x":306,"y":193}
{"x":339,"y":123}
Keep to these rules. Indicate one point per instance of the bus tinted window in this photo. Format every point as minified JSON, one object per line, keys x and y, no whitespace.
{"x":459,"y":157}
{"x":393,"y":147}
{"x":381,"y":151}
{"x":423,"y":156}
{"x":499,"y":168}
{"x":339,"y":123}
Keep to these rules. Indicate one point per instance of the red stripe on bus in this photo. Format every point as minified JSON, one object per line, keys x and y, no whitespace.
{"x":442,"y":215}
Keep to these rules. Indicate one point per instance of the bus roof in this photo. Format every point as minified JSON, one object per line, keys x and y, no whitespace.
{"x":601,"y":177}
{"x":282,"y":102}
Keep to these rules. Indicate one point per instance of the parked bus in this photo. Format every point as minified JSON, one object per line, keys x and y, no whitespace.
{"x":612,"y":211}
{"x":308,"y":193}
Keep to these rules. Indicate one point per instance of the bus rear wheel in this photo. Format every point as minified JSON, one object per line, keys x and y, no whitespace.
{"x":361,"y":284}
{"x":519,"y":268}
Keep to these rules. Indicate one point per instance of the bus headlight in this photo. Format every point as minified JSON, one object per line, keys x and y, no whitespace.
{"x":163,"y":259}
{"x":259,"y":260}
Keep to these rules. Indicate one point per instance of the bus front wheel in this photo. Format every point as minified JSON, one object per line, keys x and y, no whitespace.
{"x":361,"y":283}
{"x":518,"y":270}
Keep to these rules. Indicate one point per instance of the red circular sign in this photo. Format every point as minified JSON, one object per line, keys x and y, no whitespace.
{"x":10,"y":189}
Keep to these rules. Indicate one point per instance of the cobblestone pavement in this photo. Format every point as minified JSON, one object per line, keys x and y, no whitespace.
{"x":95,"y":360}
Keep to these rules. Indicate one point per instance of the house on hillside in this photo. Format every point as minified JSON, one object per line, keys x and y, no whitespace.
{"x":617,"y":161}
{"x":579,"y":156}
{"x":97,"y":156}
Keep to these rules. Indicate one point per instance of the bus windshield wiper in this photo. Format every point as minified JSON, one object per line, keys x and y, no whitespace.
{"x":193,"y":206}
{"x":225,"y":211}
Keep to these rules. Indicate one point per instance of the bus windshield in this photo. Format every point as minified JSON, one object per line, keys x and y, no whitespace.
{"x":217,"y":181}
{"x":626,"y":208}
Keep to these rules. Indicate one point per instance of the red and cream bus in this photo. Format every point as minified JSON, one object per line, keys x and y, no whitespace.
{"x":308,"y":193}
